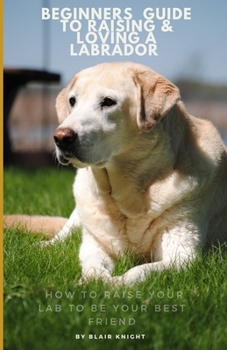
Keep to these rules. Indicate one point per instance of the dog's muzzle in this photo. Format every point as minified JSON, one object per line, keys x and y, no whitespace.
{"x":69,"y":150}
{"x":66,"y":140}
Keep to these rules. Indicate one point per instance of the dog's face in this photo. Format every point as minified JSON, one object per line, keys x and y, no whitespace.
{"x":105,"y":107}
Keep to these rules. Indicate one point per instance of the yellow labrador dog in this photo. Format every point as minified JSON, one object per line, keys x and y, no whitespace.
{"x":152,"y":179}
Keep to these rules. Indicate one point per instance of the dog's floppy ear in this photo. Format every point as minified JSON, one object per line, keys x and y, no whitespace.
{"x":61,"y":105}
{"x":156,"y":96}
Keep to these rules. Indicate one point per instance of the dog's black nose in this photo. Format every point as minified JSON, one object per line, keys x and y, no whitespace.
{"x":64,"y":138}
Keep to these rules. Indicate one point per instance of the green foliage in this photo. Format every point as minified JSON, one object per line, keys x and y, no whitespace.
{"x":46,"y":305}
{"x":38,"y":191}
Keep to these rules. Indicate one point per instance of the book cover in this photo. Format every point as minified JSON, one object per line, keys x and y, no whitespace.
{"x":47,"y":304}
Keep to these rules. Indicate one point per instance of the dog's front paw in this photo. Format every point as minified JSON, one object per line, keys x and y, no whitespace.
{"x":117,"y":281}
{"x":124,"y":280}
{"x":129,"y":278}
{"x":44,"y":244}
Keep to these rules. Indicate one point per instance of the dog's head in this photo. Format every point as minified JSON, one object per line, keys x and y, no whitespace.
{"x":105,"y":107}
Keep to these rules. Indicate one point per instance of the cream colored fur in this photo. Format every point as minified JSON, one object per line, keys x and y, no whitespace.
{"x":152,"y":179}
{"x":46,"y":225}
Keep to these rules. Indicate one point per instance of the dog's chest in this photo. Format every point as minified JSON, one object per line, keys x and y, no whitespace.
{"x":140,"y":233}
{"x":125,"y":228}
{"x":121,"y":220}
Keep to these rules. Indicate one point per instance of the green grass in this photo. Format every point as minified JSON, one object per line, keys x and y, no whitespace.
{"x":174,"y":309}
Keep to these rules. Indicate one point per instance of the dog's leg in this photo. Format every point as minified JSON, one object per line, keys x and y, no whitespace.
{"x":67,"y":230}
{"x":176,"y":249}
{"x":48,"y":226}
{"x":142,"y":272}
{"x":95,"y":262}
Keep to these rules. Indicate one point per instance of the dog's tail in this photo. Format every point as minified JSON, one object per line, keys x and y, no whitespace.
{"x":48,"y":226}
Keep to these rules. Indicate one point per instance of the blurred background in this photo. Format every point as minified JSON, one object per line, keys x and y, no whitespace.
{"x":37,"y":64}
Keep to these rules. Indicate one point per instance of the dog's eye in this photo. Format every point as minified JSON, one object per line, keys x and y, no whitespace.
{"x":108,"y":102}
{"x":72,"y":101}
